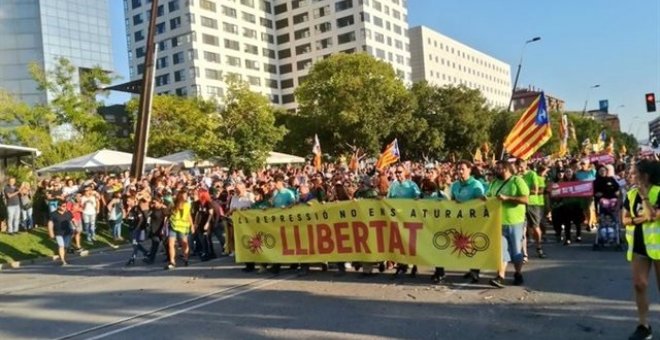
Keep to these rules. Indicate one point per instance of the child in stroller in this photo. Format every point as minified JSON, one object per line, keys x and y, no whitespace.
{"x":609,"y":226}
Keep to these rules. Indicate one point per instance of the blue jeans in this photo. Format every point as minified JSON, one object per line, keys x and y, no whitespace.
{"x":89,"y":223}
{"x":116,"y":228}
{"x":26,"y":218}
{"x":13,"y":218}
{"x":137,"y":236}
{"x":512,"y":240}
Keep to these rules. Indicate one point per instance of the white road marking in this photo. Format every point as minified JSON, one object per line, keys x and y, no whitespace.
{"x":145,"y":322}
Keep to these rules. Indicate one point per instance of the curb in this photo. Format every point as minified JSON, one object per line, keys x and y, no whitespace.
{"x":39,"y":260}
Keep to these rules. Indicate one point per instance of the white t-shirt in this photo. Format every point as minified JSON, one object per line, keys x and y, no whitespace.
{"x":89,"y":205}
{"x":241,"y":202}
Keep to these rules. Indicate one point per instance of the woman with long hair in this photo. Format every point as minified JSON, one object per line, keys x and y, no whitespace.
{"x":203,"y":224}
{"x":641,"y":217}
{"x":25,"y":200}
{"x":181,"y":224}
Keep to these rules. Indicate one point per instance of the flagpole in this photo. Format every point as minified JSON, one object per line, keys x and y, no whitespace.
{"x":144,"y":112}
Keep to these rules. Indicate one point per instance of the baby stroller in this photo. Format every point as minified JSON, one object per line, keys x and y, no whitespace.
{"x":609,"y":229}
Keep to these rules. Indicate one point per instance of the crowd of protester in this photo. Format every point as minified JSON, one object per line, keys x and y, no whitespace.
{"x":185,"y":211}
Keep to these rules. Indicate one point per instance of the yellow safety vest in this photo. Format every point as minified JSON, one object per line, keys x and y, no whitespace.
{"x":651,"y":229}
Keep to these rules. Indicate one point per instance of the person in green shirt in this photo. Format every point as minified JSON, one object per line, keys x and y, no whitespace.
{"x":512,"y":191}
{"x":534,"y":212}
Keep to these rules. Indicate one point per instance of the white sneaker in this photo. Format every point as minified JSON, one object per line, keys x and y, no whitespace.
{"x":231,"y":254}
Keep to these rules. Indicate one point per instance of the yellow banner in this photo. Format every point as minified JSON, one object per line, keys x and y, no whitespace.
{"x":458,"y":236}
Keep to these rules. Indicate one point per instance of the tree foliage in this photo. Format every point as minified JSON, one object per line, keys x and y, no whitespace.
{"x":349,"y":99}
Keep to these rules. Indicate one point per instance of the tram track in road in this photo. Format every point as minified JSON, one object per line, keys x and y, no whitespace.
{"x":173,"y":309}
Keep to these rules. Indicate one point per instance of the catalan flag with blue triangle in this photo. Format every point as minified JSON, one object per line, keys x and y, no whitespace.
{"x":389,"y":156}
{"x":531,"y":131}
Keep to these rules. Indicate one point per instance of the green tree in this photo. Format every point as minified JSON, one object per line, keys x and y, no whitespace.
{"x":349,"y":99}
{"x":247,"y":127}
{"x":180,"y":123}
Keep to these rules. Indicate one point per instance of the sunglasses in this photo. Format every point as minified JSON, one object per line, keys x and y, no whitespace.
{"x":398,"y":172}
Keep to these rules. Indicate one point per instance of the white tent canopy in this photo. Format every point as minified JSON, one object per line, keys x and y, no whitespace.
{"x":282,"y":158}
{"x":101,"y":160}
{"x":186,"y":159}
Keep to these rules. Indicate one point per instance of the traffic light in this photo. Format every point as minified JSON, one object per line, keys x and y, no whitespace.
{"x":650,"y":102}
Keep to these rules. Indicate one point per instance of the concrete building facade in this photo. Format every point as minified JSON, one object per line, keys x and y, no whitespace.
{"x":41,"y":31}
{"x":441,"y":60}
{"x":269,"y":44}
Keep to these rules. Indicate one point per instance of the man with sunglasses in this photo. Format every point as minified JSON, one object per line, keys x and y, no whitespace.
{"x":60,"y":228}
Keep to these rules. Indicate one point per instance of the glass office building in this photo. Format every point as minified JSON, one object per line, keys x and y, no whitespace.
{"x":43,"y":30}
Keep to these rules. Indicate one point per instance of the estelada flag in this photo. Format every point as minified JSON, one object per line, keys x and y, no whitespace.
{"x":316,"y":150}
{"x":354,"y":164}
{"x":390,"y":156}
{"x":531,"y":131}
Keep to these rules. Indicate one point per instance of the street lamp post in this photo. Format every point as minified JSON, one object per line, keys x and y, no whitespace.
{"x":515,"y":82}
{"x":586,"y":101}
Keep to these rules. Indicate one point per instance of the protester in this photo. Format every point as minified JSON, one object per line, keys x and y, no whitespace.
{"x":59,"y":228}
{"x":512,"y":191}
{"x":181,"y":224}
{"x":12,"y":201}
{"x":643,"y":234}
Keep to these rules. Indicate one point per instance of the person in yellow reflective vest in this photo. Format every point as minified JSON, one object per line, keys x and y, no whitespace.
{"x":641,"y":216}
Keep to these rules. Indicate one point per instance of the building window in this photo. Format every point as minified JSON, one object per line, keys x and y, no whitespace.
{"x":212,"y":57}
{"x":233,"y":61}
{"x":230,"y":28}
{"x":346,"y":38}
{"x":214,"y":91}
{"x":173,"y":5}
{"x":379,"y":37}
{"x":266,"y":52}
{"x":208,"y":22}
{"x":213,"y":74}
{"x":321,"y":12}
{"x":270,"y":68}
{"x":279,"y":9}
{"x":207,"y":5}
{"x":265,"y":6}
{"x":179,"y":75}
{"x":288,"y":98}
{"x":161,"y":62}
{"x":300,"y":18}
{"x":178,"y":58}
{"x":282,"y":23}
{"x":283,"y":54}
{"x":249,"y":3}
{"x":345,"y":21}
{"x":249,"y":17}
{"x":210,"y":40}
{"x":324,"y":27}
{"x":251,"y":65}
{"x":139,"y":36}
{"x":160,"y":28}
{"x":266,"y":22}
{"x":324,"y":43}
{"x":286,"y":68}
{"x":163,"y":79}
{"x":302,"y":49}
{"x":267,"y":38}
{"x":251,"y":49}
{"x":139,"y":52}
{"x":254,"y":81}
{"x":365,"y":17}
{"x":232,"y":45}
{"x":228,"y":11}
{"x":343,"y":5}
{"x":175,"y":23}
{"x":301,"y":34}
{"x":137,"y":19}
{"x":249,"y":33}
{"x":298,"y":3}
{"x":304,"y":64}
{"x":272,"y":83}
{"x":286,"y":84}
{"x":378,"y":21}
{"x":283,"y":38}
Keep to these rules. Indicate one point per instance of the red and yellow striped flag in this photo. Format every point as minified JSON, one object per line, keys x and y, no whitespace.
{"x":531,"y":131}
{"x":389,"y":156}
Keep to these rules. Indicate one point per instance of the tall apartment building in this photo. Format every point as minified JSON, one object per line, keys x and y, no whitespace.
{"x":269,"y":44}
{"x":442,"y":61}
{"x":43,"y":30}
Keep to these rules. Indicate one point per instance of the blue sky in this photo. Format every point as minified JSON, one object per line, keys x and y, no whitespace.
{"x":613,"y":43}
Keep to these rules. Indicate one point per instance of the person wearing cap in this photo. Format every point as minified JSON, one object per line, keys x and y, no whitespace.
{"x":60,"y":228}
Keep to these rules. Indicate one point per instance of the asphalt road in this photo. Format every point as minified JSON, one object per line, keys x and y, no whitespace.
{"x":574,"y":294}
